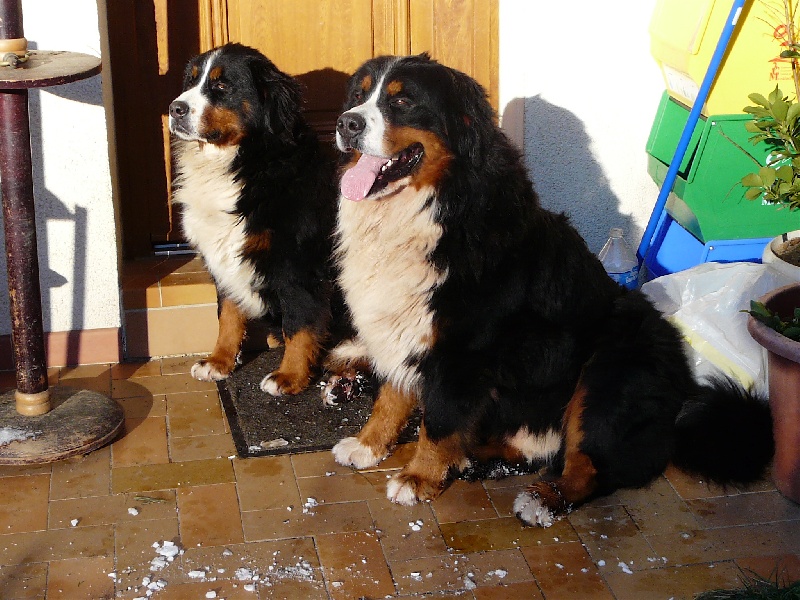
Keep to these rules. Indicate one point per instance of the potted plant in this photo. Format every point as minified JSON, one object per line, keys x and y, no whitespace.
{"x":774,"y":323}
{"x":774,"y":320}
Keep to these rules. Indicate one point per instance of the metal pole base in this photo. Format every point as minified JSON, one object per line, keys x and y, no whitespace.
{"x":79,"y":421}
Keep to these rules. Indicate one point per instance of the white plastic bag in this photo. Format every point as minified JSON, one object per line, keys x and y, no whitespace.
{"x":705,"y":302}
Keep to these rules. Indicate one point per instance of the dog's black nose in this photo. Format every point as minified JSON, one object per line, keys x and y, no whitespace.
{"x":350,"y":125}
{"x":178,"y":109}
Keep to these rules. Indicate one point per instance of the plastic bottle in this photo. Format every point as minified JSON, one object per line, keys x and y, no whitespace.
{"x":619,"y":260}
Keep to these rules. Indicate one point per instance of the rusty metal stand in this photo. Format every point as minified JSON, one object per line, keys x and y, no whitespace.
{"x":37,"y":424}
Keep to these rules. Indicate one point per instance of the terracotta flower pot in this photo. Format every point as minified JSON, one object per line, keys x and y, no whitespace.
{"x":784,"y":389}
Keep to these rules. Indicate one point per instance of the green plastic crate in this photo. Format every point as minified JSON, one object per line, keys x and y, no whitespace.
{"x":707,"y":199}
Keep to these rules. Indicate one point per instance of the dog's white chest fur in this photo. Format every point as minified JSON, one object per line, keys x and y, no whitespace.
{"x":208,"y":191}
{"x":388,"y":279}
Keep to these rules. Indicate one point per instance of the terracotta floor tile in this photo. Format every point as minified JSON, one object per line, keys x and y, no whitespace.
{"x":502,"y":498}
{"x":201,"y":447}
{"x":341,"y":488}
{"x":728,"y":543}
{"x":566,"y":571}
{"x":17,"y":470}
{"x":166,"y":384}
{"x":82,"y":476}
{"x":743,"y":509}
{"x":280,"y":523}
{"x":24,"y":504}
{"x":266,"y":483}
{"x":108,"y":510}
{"x":229,"y":590}
{"x":135,"y":551}
{"x":270,"y":566}
{"x":783,"y":569}
{"x":178,"y":365}
{"x":354,"y":566}
{"x":136,"y":369}
{"x":146,"y":406}
{"x":513,"y":481}
{"x":315,"y":464}
{"x":173,"y":475}
{"x":24,"y":581}
{"x":210,"y":515}
{"x":525,"y":590}
{"x":691,"y":486}
{"x":283,"y":569}
{"x":100,"y":371}
{"x":679,"y":582}
{"x":197,"y":413}
{"x":459,"y":572}
{"x":187,"y":288}
{"x":407,"y":532}
{"x":142,"y":442}
{"x":80,"y":578}
{"x":56,"y":544}
{"x":101,"y":385}
{"x":503,"y":533}
{"x":611,"y":537}
{"x":463,"y":501}
{"x":657,"y":508}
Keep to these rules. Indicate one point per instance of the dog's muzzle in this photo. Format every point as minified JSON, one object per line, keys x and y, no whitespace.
{"x":349,"y":128}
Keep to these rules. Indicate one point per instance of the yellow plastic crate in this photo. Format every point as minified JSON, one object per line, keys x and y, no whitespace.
{"x":684,"y":35}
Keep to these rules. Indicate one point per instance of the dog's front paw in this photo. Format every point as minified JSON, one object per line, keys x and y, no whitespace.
{"x":408,"y":489}
{"x":281,"y":384}
{"x":211,"y":370}
{"x":350,"y":452}
{"x":530,"y":509}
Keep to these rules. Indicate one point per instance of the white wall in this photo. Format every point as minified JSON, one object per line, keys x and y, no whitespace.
{"x":579,"y":88}
{"x":72,"y":185}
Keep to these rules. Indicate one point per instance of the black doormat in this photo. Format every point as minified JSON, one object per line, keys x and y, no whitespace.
{"x":262,"y":425}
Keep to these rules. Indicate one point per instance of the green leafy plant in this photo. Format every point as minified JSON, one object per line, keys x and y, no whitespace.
{"x":776,"y":122}
{"x":790,"y":328}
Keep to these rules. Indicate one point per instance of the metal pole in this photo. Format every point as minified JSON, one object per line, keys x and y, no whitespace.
{"x":19,"y":220}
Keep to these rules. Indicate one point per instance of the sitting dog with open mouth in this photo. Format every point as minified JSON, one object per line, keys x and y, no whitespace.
{"x":490,"y":313}
{"x":258,"y":204}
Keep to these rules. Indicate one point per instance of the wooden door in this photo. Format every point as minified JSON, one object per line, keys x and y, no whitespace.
{"x":320,"y":41}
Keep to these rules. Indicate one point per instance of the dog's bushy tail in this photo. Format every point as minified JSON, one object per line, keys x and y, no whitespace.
{"x":724,"y":433}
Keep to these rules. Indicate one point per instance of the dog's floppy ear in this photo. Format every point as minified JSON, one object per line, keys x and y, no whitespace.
{"x":472,"y":120}
{"x":280,"y":95}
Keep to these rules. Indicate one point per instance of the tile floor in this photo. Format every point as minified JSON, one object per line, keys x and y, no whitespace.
{"x":303,"y":527}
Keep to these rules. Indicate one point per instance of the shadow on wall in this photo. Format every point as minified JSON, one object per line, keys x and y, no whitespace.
{"x":49,"y":208}
{"x":565,"y":173}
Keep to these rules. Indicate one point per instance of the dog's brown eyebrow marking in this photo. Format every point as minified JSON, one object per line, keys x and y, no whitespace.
{"x":394,"y":87}
{"x":366,"y":83}
{"x":215,"y":73}
{"x":195,"y":70}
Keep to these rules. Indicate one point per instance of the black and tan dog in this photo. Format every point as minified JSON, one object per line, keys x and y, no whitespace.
{"x":258,"y":204}
{"x":491,"y":313}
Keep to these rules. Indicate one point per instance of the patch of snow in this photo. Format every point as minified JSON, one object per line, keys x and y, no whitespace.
{"x":14,"y":434}
{"x":625,"y":568}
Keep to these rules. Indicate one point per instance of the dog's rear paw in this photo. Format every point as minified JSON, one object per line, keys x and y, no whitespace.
{"x":211,"y":370}
{"x":350,"y":452}
{"x":530,"y":509}
{"x":407,"y":489}
{"x":280,"y":384}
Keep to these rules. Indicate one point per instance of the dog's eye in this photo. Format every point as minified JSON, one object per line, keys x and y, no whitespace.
{"x":401,"y":103}
{"x":358,"y":96}
{"x":220,"y":86}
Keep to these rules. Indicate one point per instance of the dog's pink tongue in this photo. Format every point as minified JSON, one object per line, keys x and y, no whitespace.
{"x":357,"y":180}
